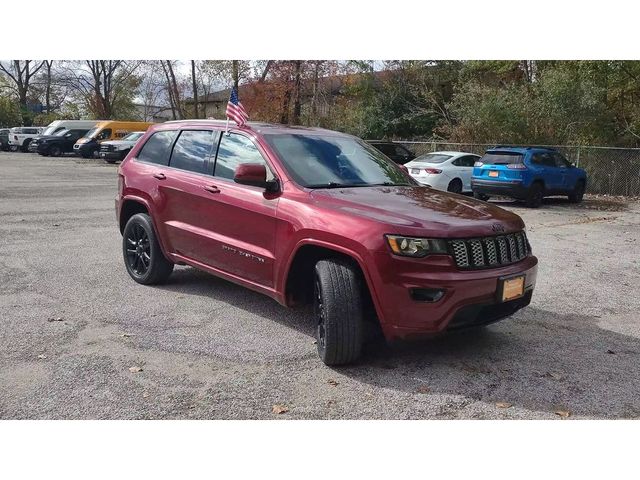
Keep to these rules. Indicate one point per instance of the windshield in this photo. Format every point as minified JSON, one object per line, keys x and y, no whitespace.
{"x":133,"y":136}
{"x":330,"y":161}
{"x":92,"y":132}
{"x":432,"y":158}
{"x":501,"y":158}
{"x":50,"y":130}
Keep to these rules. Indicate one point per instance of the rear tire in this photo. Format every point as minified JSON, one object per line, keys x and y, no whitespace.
{"x":535,"y":195}
{"x":455,"y":186}
{"x":143,"y":258}
{"x":481,"y":196}
{"x":578,"y":192}
{"x":338,"y":308}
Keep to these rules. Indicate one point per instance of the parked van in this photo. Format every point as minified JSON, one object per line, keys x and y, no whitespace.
{"x":89,"y":145}
{"x":58,"y":125}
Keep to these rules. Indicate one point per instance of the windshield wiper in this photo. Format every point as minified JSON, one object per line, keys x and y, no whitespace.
{"x":354,"y":185}
{"x":388,"y":184}
{"x":329,"y":185}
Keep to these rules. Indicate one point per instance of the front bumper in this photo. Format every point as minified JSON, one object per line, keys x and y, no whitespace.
{"x":84,"y":148}
{"x":507,"y":188}
{"x":33,"y":147}
{"x":114,"y":155}
{"x":470,"y":297}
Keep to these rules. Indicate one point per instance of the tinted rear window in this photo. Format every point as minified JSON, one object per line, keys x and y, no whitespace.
{"x":432,"y":158}
{"x":501,"y":158}
{"x":192,"y":150}
{"x":158,"y":147}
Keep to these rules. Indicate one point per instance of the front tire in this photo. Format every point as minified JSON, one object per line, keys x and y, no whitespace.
{"x":578,"y":192}
{"x":338,"y":309}
{"x":143,"y":258}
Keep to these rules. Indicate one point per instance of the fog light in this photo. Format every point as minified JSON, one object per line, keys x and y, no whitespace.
{"x":428,"y":295}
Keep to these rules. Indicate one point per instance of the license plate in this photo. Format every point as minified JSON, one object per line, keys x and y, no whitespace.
{"x":512,"y":288}
{"x":103,"y":154}
{"x":493,"y":173}
{"x":415,"y":171}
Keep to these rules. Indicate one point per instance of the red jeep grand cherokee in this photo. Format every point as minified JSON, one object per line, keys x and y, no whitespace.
{"x":307,"y":215}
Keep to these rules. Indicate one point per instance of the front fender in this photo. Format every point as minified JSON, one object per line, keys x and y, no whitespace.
{"x":361,"y":260}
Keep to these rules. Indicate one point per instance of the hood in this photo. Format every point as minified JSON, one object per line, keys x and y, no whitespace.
{"x":119,"y":142}
{"x":421,"y":211}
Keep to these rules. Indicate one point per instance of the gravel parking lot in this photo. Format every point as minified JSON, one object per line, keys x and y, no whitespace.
{"x":80,"y":339}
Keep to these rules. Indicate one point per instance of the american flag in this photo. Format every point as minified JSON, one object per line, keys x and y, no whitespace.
{"x":235,"y":110}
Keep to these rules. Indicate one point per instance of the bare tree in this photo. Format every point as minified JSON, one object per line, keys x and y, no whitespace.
{"x":235,"y":74}
{"x":47,"y":96}
{"x":172,"y":87}
{"x":152,"y":89}
{"x":101,"y":83}
{"x":21,"y":72}
{"x":265,"y":71}
{"x":297,"y":81}
{"x":195,"y":88}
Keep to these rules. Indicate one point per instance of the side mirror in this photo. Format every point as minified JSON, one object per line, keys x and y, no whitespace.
{"x":254,"y":174}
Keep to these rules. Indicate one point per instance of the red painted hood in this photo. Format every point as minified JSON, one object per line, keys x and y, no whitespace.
{"x":421,"y":210}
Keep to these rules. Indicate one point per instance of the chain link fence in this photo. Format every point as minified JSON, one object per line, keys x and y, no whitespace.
{"x":610,"y":170}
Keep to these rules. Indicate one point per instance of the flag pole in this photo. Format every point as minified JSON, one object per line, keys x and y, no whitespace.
{"x":226,"y":130}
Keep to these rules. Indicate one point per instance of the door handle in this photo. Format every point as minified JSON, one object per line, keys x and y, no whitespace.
{"x":212,"y":189}
{"x":159,"y":176}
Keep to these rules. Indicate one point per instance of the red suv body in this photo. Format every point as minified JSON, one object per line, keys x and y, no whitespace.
{"x":311,"y":215}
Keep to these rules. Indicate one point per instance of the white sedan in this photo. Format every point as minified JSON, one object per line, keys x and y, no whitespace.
{"x":449,"y":171}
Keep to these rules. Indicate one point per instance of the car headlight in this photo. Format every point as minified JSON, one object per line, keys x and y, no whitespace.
{"x":416,"y":247}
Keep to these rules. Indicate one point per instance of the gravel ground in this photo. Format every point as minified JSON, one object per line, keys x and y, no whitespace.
{"x":74,"y":323}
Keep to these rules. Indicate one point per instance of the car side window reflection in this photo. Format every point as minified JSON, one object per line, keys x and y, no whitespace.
{"x":192,"y":150}
{"x":235,"y":149}
{"x":158,"y":147}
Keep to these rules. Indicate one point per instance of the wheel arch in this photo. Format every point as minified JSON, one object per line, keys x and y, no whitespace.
{"x":131,"y":206}
{"x":297,"y":281}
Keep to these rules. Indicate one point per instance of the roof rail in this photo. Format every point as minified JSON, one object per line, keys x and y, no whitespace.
{"x":528,"y":147}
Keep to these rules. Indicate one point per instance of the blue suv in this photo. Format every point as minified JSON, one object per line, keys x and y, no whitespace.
{"x":527,"y":173}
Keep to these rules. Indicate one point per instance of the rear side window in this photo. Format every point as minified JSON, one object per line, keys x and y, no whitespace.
{"x":432,"y":158}
{"x":543,"y":159}
{"x":466,"y":161}
{"x":502,"y":158}
{"x":236,"y":149}
{"x":192,"y":150}
{"x":561,"y":161}
{"x":158,"y":147}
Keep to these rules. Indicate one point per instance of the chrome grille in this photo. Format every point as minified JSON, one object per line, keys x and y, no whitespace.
{"x":488,"y":252}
